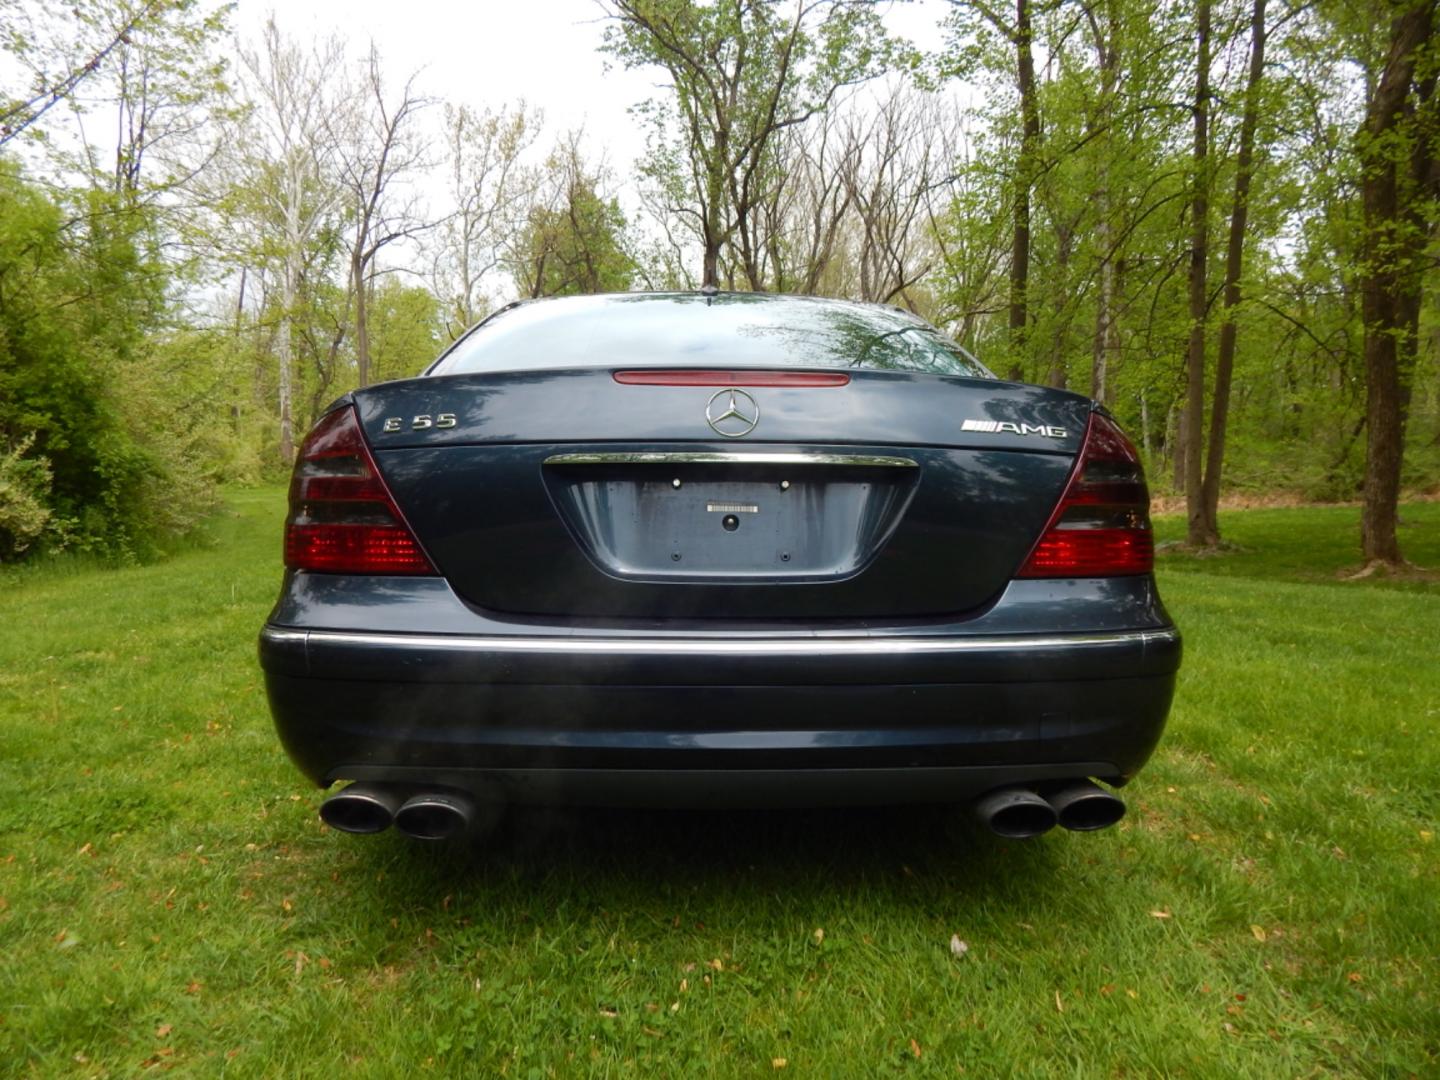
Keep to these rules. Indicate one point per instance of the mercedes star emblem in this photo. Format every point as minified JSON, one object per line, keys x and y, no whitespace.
{"x":732,"y":413}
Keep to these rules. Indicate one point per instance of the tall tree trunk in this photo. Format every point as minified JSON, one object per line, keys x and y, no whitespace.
{"x":1389,"y":276}
{"x":1199,"y":256}
{"x":235,"y":409}
{"x":285,"y":347}
{"x":712,"y":231}
{"x":1024,"y":168}
{"x":1234,"y":257}
{"x":1177,"y":447}
{"x":1105,"y":327}
{"x":710,"y":268}
{"x":1106,"y":342}
{"x":1145,"y":424}
{"x":362,"y":322}
{"x":1058,"y":376}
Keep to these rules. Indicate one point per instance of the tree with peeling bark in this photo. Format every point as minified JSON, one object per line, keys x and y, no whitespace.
{"x":286,"y":182}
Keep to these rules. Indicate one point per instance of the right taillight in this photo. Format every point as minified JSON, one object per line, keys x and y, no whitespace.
{"x":1101,"y":527}
{"x":343,"y":519}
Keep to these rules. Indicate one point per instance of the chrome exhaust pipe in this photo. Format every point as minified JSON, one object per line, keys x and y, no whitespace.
{"x":436,"y":815}
{"x":362,"y":808}
{"x":1085,"y":807}
{"x":1016,"y":813}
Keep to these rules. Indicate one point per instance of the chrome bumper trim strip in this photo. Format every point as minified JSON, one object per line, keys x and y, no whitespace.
{"x":811,"y":646}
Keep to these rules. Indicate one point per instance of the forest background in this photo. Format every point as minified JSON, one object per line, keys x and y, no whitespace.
{"x":1218,"y":218}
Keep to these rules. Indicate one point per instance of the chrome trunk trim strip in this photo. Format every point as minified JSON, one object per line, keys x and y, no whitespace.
{"x":718,"y":457}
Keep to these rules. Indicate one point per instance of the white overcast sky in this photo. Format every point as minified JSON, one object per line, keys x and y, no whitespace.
{"x":491,"y":52}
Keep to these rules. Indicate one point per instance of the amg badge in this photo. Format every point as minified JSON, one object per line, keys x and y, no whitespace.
{"x":994,"y":427}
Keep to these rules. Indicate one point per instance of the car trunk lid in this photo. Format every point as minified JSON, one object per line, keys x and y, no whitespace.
{"x":574,"y":493}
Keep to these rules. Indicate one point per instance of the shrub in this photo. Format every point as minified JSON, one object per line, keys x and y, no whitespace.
{"x":93,"y":461}
{"x":24,"y":490}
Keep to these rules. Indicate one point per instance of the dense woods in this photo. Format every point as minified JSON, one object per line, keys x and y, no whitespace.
{"x":1218,"y":218}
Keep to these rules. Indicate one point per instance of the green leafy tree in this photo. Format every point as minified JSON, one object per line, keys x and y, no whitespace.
{"x":407,"y":329}
{"x":574,"y":239}
{"x":144,"y":77}
{"x":741,"y":73}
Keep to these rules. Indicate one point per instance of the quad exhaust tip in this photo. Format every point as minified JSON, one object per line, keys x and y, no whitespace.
{"x":367,"y":808}
{"x":1015,"y":813}
{"x":1085,"y":807}
{"x":1019,"y":813}
{"x":435,"y":815}
{"x":361,"y":808}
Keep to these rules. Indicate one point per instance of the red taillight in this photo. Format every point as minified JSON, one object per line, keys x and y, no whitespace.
{"x":694,"y":377}
{"x":1101,"y":527}
{"x":343,"y":519}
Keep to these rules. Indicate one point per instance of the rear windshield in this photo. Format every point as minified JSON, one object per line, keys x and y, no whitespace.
{"x":731,"y":330}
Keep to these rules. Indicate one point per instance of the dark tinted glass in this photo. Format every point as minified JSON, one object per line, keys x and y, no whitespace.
{"x":688,"y":329}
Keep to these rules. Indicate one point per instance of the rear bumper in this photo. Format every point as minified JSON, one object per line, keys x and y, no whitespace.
{"x":844,"y":717}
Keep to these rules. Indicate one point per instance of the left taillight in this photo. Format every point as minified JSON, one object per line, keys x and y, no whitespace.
{"x":343,"y":519}
{"x":1101,"y":526}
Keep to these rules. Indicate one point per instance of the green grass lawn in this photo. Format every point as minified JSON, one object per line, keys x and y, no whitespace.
{"x":169,"y":901}
{"x":1316,"y":545}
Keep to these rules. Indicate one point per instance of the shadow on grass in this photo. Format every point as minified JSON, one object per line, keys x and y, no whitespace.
{"x":566,"y":858}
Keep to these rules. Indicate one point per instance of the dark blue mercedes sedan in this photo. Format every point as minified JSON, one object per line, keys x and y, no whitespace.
{"x":717,"y":549}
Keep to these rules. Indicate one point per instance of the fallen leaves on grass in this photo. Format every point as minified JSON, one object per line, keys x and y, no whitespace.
{"x":1258,"y":932}
{"x":1162,"y":913}
{"x":778,"y":1063}
{"x":915,"y":1049}
{"x":958,"y":948}
{"x":163,"y":1030}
